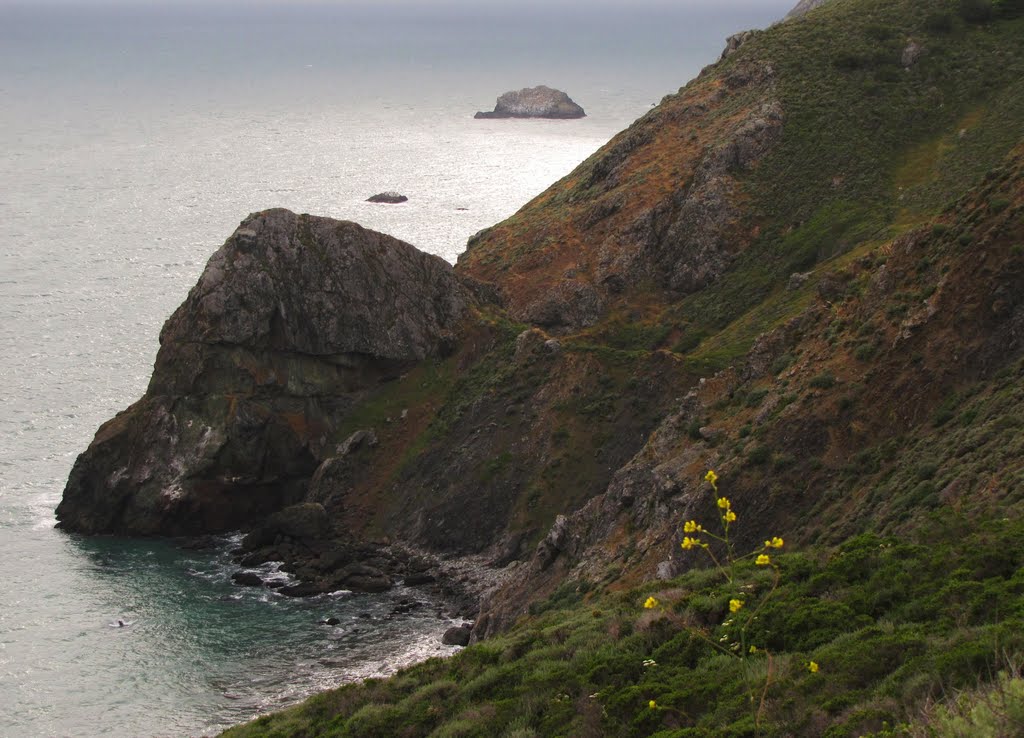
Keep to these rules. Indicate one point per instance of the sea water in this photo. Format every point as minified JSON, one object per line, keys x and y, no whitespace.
{"x":133,"y":139}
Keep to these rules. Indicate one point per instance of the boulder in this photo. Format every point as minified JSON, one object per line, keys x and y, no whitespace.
{"x":293,"y":317}
{"x":534,"y":102}
{"x":458,"y":636}
{"x":247,"y":579}
{"x":302,"y":589}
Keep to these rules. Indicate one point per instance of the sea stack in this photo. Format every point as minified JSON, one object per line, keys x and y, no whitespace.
{"x":534,"y":102}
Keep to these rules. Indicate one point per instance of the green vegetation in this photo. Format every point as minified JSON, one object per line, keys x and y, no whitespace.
{"x":893,"y":624}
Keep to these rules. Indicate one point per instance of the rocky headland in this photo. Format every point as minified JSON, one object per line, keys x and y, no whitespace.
{"x":534,"y":102}
{"x":803,"y":270}
{"x":294,"y":320}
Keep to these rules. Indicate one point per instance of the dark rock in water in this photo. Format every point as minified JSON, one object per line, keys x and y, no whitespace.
{"x":276,"y":583}
{"x":330,"y":621}
{"x":261,"y":556}
{"x":247,"y":579}
{"x":415,"y":580}
{"x":457,"y":636}
{"x":391,"y":198}
{"x":534,"y":102}
{"x":302,"y":589}
{"x":406,"y":606}
{"x":291,"y":320}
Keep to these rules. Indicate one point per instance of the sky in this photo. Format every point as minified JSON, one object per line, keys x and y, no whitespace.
{"x":739,"y":5}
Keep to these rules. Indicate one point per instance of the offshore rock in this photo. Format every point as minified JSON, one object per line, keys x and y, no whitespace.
{"x":390,"y":198}
{"x":292,"y":321}
{"x":534,"y":102}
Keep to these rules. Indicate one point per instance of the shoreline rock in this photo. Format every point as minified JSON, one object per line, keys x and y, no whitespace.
{"x":534,"y":102}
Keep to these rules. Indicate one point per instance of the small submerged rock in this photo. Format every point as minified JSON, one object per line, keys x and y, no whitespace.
{"x":247,"y":579}
{"x":534,"y":102}
{"x":390,"y":198}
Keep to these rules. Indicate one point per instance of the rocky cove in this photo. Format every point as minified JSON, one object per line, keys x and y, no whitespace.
{"x":292,"y":322}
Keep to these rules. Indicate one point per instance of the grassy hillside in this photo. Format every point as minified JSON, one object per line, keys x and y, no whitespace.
{"x":849,"y":357}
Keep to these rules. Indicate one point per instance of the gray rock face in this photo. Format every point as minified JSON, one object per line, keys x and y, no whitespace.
{"x":534,"y":102}
{"x":292,"y":319}
{"x":911,"y":53}
{"x":735,"y":41}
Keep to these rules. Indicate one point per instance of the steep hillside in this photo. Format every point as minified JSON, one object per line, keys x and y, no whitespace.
{"x":881,"y":431}
{"x":805,"y":271}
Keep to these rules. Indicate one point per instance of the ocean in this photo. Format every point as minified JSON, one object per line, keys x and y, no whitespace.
{"x":133,"y":139}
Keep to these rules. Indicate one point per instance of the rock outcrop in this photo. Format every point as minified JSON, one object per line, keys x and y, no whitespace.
{"x":291,"y":322}
{"x":534,"y":102}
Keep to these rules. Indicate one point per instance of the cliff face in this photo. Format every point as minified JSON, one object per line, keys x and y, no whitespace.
{"x":292,"y":321}
{"x":761,"y":275}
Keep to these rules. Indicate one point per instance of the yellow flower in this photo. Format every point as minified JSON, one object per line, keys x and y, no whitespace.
{"x":729,"y":517}
{"x":735,"y":605}
{"x":776,"y":542}
{"x":723,"y":502}
{"x":812,"y":667}
{"x":650,"y":603}
{"x":691,"y":526}
{"x":652,"y":704}
{"x":689,"y":543}
{"x":753,"y":649}
{"x":711,"y":477}
{"x":763,"y":560}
